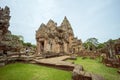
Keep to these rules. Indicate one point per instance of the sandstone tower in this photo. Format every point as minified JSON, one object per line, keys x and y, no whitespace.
{"x":4,"y":21}
{"x":8,"y":42}
{"x":4,"y":24}
{"x":57,"y":39}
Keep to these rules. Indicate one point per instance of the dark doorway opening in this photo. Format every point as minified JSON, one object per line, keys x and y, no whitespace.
{"x":42,"y":46}
{"x":73,"y":50}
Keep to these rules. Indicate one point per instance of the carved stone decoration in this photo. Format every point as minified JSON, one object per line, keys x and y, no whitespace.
{"x":8,"y":42}
{"x":4,"y":21}
{"x":56,"y":39}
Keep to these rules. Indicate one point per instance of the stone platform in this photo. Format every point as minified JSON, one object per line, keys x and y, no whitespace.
{"x":57,"y":62}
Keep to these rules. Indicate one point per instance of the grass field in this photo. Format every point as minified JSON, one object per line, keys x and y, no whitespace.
{"x":21,"y":71}
{"x":95,"y":66}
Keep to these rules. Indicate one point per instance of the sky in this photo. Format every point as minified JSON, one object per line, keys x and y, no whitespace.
{"x":88,"y":18}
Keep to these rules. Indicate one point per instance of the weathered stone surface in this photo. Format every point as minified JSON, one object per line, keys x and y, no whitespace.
{"x":54,"y":39}
{"x":4,"y":21}
{"x":2,"y":61}
{"x":78,"y":68}
{"x":79,"y":74}
{"x":50,"y":54}
{"x":8,"y":42}
{"x":87,"y":76}
{"x":2,"y":64}
{"x":96,"y":77}
{"x":57,"y":62}
{"x":73,"y":57}
{"x":118,"y":71}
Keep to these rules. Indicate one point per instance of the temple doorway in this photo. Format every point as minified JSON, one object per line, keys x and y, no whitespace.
{"x":42,"y":46}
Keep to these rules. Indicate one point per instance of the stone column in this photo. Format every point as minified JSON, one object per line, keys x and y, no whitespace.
{"x":65,"y":47}
{"x":38,"y":47}
{"x":47,"y":45}
{"x":1,"y":35}
{"x":44,"y":47}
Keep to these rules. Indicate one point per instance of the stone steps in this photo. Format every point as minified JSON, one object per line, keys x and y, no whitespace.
{"x":2,"y":61}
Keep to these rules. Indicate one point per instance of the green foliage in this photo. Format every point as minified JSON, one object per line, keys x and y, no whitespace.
{"x":85,"y":45}
{"x":94,"y":41}
{"x":101,"y":45}
{"x":21,"y":37}
{"x":21,"y":40}
{"x":89,"y":46}
{"x":29,"y":45}
{"x":96,"y":67}
{"x":91,"y":43}
{"x":34,"y":46}
{"x":21,"y":71}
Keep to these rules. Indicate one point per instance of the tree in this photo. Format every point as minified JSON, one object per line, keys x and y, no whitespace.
{"x":101,"y":45}
{"x":28,"y":44}
{"x":94,"y":41}
{"x":21,"y":37}
{"x":91,"y":44}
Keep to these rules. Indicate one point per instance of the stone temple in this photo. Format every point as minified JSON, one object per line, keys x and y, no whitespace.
{"x":4,"y":24}
{"x":4,"y":21}
{"x":8,"y":42}
{"x":57,"y":39}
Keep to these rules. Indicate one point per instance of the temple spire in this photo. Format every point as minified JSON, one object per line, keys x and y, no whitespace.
{"x":65,"y":18}
{"x":41,"y":26}
{"x":51,"y":24}
{"x":50,"y":21}
{"x":65,"y":24}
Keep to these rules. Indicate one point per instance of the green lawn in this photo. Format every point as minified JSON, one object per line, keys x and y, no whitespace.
{"x":21,"y":71}
{"x":95,"y":66}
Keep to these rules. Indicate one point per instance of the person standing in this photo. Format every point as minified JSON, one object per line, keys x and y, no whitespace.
{"x":27,"y":51}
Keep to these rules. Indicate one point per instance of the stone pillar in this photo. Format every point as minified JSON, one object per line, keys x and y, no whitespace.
{"x":57,"y":48}
{"x":65,"y":47}
{"x":44,"y":47}
{"x":1,"y":35}
{"x":70,"y":42}
{"x":38,"y":47}
{"x":68,"y":48}
{"x":54,"y":46}
{"x":47,"y":46}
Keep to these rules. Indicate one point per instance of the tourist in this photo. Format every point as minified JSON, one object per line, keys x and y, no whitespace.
{"x":27,"y":51}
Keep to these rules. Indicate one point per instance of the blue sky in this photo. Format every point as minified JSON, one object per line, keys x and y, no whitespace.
{"x":89,"y":18}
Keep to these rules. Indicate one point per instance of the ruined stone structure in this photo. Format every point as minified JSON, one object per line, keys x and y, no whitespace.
{"x":8,"y":42}
{"x":4,"y":24}
{"x":117,"y":47}
{"x":4,"y":21}
{"x":57,"y":39}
